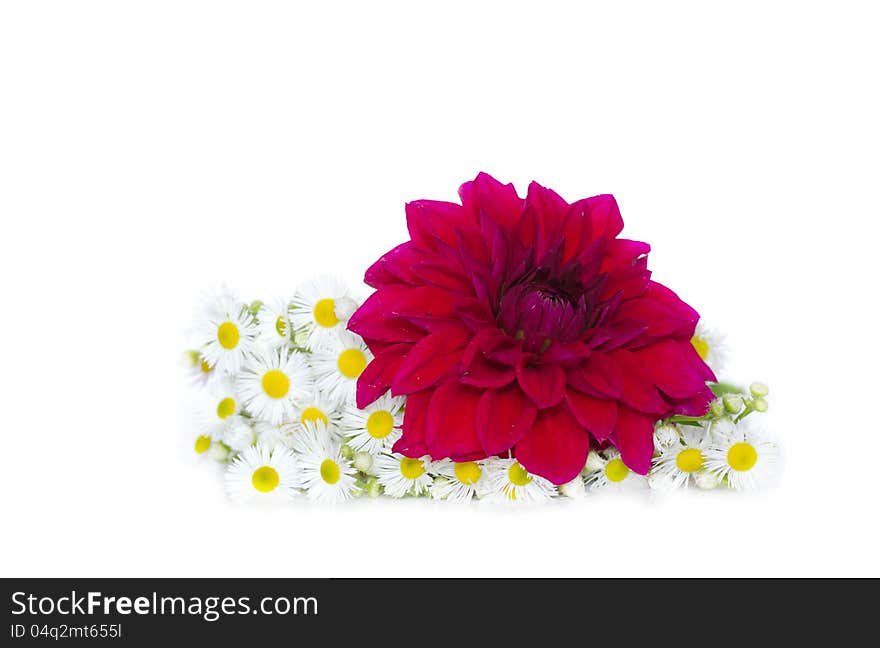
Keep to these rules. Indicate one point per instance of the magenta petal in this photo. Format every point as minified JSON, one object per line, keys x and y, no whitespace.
{"x":634,"y":437}
{"x":477,"y":370}
{"x":598,"y":415}
{"x":639,"y":390}
{"x":486,"y":374}
{"x":376,"y":378}
{"x":451,"y":427}
{"x":503,"y":417}
{"x":599,"y":375}
{"x":429,"y":360}
{"x":371,"y":320}
{"x":555,"y":447}
{"x":491,"y":198}
{"x":412,"y":443}
{"x":543,"y":383}
{"x":432,"y":224}
{"x":662,"y":311}
{"x":696,"y":405}
{"x":394,"y":267}
{"x":605,"y":216}
{"x":671,"y":368}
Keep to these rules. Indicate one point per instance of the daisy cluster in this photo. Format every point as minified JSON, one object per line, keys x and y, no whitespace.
{"x":278,"y":410}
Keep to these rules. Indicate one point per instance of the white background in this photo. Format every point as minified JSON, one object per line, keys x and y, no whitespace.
{"x":151,"y":151}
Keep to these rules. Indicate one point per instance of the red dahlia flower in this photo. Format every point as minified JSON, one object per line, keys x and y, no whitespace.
{"x":526,"y":326}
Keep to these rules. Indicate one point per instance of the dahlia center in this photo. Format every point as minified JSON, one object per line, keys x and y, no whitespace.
{"x":543,"y":312}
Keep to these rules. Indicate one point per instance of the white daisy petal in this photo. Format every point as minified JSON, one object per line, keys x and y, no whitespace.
{"x":711,"y":346}
{"x":458,"y":481}
{"x":746,"y":460}
{"x":506,"y":480}
{"x":338,"y":365}
{"x":226,"y":334}
{"x":402,"y":476}
{"x":319,"y":310}
{"x":376,"y":427}
{"x":274,"y":324}
{"x":677,"y":463}
{"x":262,"y":474}
{"x":609,"y":472}
{"x":324,"y":474}
{"x":270,"y":382}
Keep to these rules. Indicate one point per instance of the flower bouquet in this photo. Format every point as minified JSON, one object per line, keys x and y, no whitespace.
{"x":514,"y":349}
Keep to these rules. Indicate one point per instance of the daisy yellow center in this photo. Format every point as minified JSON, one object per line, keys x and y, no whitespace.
{"x":203,"y":443}
{"x":351,"y":363}
{"x":689,"y":460}
{"x":281,"y":326}
{"x":742,"y":457}
{"x":467,"y":472}
{"x":411,"y":468}
{"x":226,"y":408}
{"x":314,"y":415}
{"x":330,"y":471}
{"x":205,"y":367}
{"x":518,"y":475}
{"x":228,"y":335}
{"x":325,"y":313}
{"x":275,"y":383}
{"x":265,"y":479}
{"x":380,"y":424}
{"x":616,"y":470}
{"x":701,"y":345}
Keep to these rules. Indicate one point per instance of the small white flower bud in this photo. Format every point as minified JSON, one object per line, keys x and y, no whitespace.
{"x":733,"y":403}
{"x":574,"y":489}
{"x":707,"y":480}
{"x":722,"y":430}
{"x":219,"y":451}
{"x":759,"y":389}
{"x":594,"y":462}
{"x":363,"y":461}
{"x":760,"y":405}
{"x":666,"y":435}
{"x":717,"y":408}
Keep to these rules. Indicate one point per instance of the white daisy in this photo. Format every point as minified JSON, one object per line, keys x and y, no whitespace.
{"x":507,"y":480}
{"x":458,"y":481}
{"x":677,"y":463}
{"x":711,"y":346}
{"x":315,"y":407}
{"x":401,"y":475}
{"x":237,"y":433}
{"x":220,"y":404}
{"x":324,"y":473}
{"x":199,"y":372}
{"x":262,"y":474}
{"x":313,"y":435}
{"x":376,"y":427}
{"x":746,"y":460}
{"x":270,"y":382}
{"x":319,"y":309}
{"x":226,"y":334}
{"x":338,"y":365}
{"x":613,"y":473}
{"x":274,"y":324}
